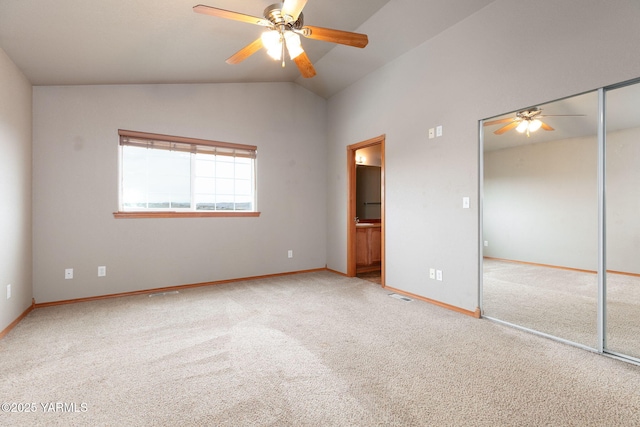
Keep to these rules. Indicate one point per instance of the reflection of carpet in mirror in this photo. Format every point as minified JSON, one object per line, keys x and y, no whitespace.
{"x":563,"y":303}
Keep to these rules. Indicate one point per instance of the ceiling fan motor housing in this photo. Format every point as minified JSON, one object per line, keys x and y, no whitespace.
{"x":528,"y":114}
{"x":274,"y":14}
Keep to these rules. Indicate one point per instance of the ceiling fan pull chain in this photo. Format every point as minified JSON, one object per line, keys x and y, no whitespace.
{"x":282,"y":43}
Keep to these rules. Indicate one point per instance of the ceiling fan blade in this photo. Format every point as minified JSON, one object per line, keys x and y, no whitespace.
{"x":546,"y":126}
{"x":246,"y":52}
{"x":497,"y":122}
{"x":304,"y":65}
{"x":335,"y":36}
{"x":293,"y":8}
{"x":506,"y":128}
{"x":227,"y":14}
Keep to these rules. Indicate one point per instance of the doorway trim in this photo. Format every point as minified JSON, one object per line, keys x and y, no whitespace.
{"x":351,"y":204}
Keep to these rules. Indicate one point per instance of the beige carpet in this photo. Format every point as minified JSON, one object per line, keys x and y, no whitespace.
{"x":314,"y":349}
{"x":563,"y":303}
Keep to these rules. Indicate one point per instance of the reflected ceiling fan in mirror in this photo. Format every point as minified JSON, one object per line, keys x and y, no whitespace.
{"x":526,"y":121}
{"x":285,"y":25}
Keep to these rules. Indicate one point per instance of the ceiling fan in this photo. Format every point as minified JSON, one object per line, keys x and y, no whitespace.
{"x":526,"y":121}
{"x":285,"y":24}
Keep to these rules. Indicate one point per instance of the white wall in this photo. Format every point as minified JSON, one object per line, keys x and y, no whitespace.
{"x":15,"y":191}
{"x":507,"y":56}
{"x":76,"y":187}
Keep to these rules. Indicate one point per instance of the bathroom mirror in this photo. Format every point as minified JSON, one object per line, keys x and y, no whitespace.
{"x":369,"y":183}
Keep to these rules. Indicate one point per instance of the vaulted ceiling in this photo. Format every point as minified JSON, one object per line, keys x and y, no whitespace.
{"x":71,"y":42}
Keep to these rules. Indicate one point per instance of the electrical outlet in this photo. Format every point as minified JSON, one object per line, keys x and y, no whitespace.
{"x":8,"y":291}
{"x":432,"y":273}
{"x":439,"y":275}
{"x":290,"y":253}
{"x":102,"y":271}
{"x":68,"y":273}
{"x":439,"y":130}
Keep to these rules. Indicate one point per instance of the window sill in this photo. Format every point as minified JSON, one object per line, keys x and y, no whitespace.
{"x":166,"y":214}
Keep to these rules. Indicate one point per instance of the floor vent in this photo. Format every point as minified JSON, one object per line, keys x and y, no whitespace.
{"x":160,"y":294}
{"x":400,"y":297}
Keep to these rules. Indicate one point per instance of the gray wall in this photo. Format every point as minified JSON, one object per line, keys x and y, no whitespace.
{"x":76,"y":187}
{"x":541,"y":203}
{"x":623,"y":200}
{"x":15,"y":191}
{"x":474,"y":70}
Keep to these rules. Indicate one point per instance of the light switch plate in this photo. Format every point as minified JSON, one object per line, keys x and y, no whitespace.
{"x":432,"y":133}
{"x":68,"y":273}
{"x":439,"y":131}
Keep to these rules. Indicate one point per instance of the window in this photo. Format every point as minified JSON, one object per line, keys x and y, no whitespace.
{"x":164,"y":176}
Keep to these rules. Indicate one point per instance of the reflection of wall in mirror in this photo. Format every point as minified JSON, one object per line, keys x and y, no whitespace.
{"x":623,"y":200}
{"x":540,"y":202}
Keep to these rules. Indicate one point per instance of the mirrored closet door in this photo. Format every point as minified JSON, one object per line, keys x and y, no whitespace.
{"x":622,"y":190}
{"x":560,"y":203}
{"x":540,"y":219}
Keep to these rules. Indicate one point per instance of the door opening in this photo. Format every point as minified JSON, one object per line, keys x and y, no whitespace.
{"x":366,"y":209}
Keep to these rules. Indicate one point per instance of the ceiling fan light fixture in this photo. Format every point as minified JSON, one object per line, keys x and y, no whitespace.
{"x":534,"y":125}
{"x":522,"y":127}
{"x":271,"y":41}
{"x":292,"y":41}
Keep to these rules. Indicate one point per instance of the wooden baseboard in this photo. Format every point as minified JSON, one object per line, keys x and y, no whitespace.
{"x":475,"y":313}
{"x":623,"y":273}
{"x":335,"y":272}
{"x":13,"y":324}
{"x":171,"y":288}
{"x":536,"y":264}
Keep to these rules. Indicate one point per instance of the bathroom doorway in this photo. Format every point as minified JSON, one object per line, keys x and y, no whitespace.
{"x":365,"y":220}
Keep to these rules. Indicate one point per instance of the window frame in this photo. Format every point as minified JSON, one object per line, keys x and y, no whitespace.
{"x":185,"y":144}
